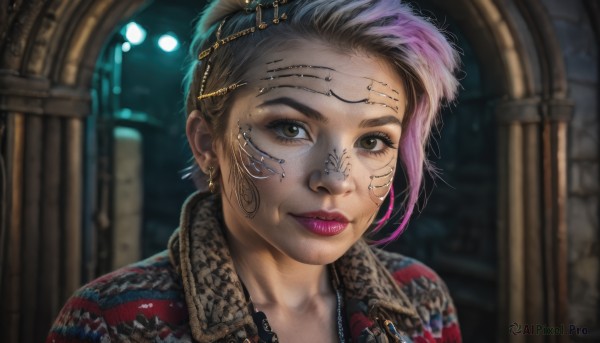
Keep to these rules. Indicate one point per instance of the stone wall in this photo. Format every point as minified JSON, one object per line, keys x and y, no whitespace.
{"x":579,"y":44}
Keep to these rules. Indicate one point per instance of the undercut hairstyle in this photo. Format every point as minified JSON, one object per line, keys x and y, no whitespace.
{"x":417,"y":50}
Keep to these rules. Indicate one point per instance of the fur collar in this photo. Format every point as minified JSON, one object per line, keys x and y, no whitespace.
{"x":214,"y":295}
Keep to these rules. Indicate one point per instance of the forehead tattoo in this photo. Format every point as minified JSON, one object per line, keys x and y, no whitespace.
{"x":303,"y":77}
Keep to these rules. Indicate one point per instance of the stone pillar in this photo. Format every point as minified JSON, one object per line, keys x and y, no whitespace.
{"x":532,"y":211}
{"x":577,"y":26}
{"x":128,"y":194}
{"x":519,"y":231}
{"x":556,"y":116}
{"x":42,"y":223}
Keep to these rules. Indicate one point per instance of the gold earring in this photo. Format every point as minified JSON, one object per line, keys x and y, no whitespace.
{"x":212,"y":185}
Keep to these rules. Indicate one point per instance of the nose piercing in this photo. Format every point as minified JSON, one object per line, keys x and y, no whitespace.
{"x":338,"y":163}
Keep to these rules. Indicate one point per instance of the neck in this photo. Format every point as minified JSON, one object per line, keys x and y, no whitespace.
{"x":275,"y":280}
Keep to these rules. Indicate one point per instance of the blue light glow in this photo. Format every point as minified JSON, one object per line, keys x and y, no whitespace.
{"x":134,"y":33}
{"x":168,"y":42}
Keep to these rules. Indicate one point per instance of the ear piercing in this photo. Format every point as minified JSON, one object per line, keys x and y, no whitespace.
{"x":212,"y":185}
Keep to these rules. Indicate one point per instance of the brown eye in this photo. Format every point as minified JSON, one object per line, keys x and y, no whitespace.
{"x":290,"y":130}
{"x":369,"y":143}
{"x":375,"y":143}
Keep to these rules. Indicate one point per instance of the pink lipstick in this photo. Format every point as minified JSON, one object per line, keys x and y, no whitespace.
{"x":322,"y":223}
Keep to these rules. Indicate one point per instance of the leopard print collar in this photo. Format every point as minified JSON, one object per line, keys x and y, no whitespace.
{"x":214,"y":295}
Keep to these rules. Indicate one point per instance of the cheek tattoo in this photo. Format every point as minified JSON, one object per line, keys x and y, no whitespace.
{"x":251,"y":163}
{"x":338,"y":163}
{"x":244,"y":188}
{"x":257,"y":163}
{"x":380,"y":185}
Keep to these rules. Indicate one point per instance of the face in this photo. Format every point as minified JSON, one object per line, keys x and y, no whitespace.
{"x":310,"y":150}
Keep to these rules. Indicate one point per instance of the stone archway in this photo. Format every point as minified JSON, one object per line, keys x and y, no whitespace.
{"x":521,"y":56}
{"x":49,"y":50}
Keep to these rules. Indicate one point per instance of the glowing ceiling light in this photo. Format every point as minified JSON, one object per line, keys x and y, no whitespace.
{"x":168,"y":42}
{"x":134,"y":33}
{"x":126,"y":46}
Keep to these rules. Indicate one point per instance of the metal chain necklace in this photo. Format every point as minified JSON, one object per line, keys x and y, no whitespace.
{"x":340,"y":318}
{"x":267,"y":335}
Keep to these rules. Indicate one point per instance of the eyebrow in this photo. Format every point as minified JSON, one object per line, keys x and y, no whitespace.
{"x":306,"y":110}
{"x":381,"y":121}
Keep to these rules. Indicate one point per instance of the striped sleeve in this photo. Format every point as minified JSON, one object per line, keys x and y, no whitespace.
{"x":80,"y":320}
{"x":430,"y":296}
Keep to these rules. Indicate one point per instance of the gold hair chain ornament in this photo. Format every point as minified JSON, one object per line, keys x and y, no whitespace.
{"x":251,"y":6}
{"x":222,"y":91}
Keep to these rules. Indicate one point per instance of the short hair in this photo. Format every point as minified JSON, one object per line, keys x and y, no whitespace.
{"x":418,"y":51}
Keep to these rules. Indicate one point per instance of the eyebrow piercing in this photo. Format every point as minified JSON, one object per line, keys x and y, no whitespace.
{"x":297,"y":66}
{"x":265,"y":90}
{"x":338,"y":163}
{"x":327,"y":78}
{"x":384,"y":85}
{"x":371,"y":89}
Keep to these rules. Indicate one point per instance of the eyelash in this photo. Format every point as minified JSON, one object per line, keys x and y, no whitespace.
{"x":385,"y":139}
{"x":280,"y":123}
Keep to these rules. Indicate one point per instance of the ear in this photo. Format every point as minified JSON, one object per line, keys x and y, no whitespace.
{"x":200,"y":138}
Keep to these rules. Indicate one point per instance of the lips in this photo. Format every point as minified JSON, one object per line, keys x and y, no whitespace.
{"x":322,"y":223}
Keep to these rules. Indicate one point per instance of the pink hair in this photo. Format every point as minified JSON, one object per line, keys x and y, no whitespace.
{"x":426,"y":62}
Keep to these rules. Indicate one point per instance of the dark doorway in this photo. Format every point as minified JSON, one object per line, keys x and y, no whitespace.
{"x":139,"y":94}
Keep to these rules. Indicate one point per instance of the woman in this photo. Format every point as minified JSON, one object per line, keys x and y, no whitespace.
{"x":298,"y":113}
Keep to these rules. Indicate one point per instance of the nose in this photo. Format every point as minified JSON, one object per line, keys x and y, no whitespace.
{"x":333,"y":176}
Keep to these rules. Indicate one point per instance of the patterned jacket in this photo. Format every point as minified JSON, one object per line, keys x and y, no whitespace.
{"x":190,"y":293}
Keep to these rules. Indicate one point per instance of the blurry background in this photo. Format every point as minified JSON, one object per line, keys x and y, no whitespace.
{"x":92,"y":151}
{"x":138,"y":91}
{"x":139,"y":99}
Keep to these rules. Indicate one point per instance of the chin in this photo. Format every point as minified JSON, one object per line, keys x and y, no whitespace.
{"x":317,"y":254}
